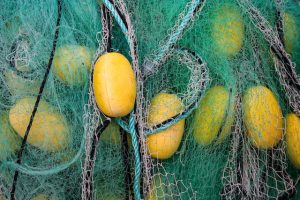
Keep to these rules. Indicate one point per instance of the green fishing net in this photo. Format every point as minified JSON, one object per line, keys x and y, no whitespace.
{"x":215,"y":81}
{"x":236,"y":49}
{"x":50,"y":167}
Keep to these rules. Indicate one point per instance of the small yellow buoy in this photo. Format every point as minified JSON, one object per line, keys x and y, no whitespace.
{"x":293,"y":138}
{"x":164,"y":144}
{"x":114,"y":85}
{"x":49,"y":130}
{"x":71,"y":64}
{"x":262,"y":117}
{"x":216,"y":111}
{"x":228,"y":30}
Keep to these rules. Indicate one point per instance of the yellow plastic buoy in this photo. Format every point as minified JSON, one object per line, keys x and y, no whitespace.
{"x":10,"y":142}
{"x":164,"y":144}
{"x":114,"y":85}
{"x":71,"y":64}
{"x":228,"y":30}
{"x":293,"y":138}
{"x":214,"y":116}
{"x":49,"y":130}
{"x":290,"y":31}
{"x":262,"y":117}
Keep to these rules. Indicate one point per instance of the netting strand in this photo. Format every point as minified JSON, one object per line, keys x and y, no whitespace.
{"x":41,"y":90}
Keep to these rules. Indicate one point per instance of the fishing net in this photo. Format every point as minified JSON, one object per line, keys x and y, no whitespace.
{"x":239,"y":42}
{"x":48,"y":165}
{"x":215,"y":81}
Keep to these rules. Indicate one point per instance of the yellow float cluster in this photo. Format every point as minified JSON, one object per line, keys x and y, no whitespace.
{"x":114,"y":87}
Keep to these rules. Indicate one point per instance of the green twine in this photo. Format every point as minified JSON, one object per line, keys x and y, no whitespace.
{"x":135,"y":145}
{"x":180,"y":117}
{"x":123,"y":124}
{"x":118,"y":19}
{"x":174,"y":37}
{"x":178,"y":32}
{"x":163,"y":52}
{"x":132,"y":131}
{"x":131,"y":128}
{"x":38,"y":171}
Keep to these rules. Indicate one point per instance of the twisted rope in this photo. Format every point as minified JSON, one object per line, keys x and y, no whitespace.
{"x":131,"y":128}
{"x":195,"y":6}
{"x":150,"y":65}
{"x":118,"y":19}
{"x":137,"y":170}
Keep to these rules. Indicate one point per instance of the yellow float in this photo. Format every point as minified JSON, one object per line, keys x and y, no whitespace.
{"x":114,"y":85}
{"x":49,"y":131}
{"x":214,"y":116}
{"x":71,"y":64}
{"x":293,"y":138}
{"x":262,"y":117}
{"x":164,"y":144}
{"x":228,"y":30}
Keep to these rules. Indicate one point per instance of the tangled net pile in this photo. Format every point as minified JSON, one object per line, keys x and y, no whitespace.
{"x":217,"y":106}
